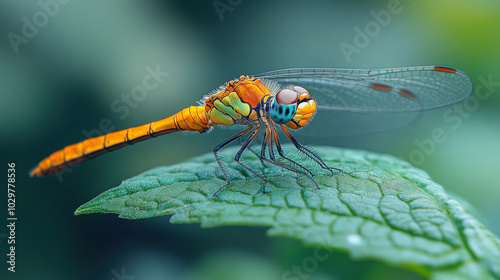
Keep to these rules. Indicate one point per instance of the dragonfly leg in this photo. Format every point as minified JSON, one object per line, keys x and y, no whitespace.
{"x":244,"y":147}
{"x":254,"y":152}
{"x":274,"y":132}
{"x":269,"y":135}
{"x":308,"y":152}
{"x":217,"y":157}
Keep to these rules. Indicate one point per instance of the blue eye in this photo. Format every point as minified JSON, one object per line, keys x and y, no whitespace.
{"x":284,"y":106}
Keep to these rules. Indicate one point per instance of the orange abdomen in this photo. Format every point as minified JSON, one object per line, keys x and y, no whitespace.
{"x":193,"y":118}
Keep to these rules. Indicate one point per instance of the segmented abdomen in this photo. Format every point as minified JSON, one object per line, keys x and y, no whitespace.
{"x":236,"y":104}
{"x":193,"y":118}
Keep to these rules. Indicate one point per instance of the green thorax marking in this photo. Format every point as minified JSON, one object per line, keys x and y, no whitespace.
{"x":227,"y":109}
{"x":234,"y":101}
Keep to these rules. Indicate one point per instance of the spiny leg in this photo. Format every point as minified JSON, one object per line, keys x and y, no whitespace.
{"x":242,"y":149}
{"x":308,"y":152}
{"x":270,"y":134}
{"x":280,"y":150}
{"x":268,"y":137}
{"x":254,"y":152}
{"x":217,"y":158}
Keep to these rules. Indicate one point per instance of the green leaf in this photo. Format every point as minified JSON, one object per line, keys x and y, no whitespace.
{"x":382,"y":208}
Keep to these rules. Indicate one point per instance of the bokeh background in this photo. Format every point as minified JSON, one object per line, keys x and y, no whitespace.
{"x":65,"y":78}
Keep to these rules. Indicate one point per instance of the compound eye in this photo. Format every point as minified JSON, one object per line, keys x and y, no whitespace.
{"x":287,"y":97}
{"x":303,"y":93}
{"x":300,"y":90}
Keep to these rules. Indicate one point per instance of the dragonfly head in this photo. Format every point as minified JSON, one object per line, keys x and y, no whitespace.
{"x":293,"y":107}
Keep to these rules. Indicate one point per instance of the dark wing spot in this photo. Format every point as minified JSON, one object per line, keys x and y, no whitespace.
{"x":280,"y":110}
{"x":287,"y":111}
{"x":445,"y":69}
{"x":381,"y":87}
{"x":408,"y":94}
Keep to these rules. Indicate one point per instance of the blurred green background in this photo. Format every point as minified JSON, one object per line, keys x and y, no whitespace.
{"x":85,"y":55}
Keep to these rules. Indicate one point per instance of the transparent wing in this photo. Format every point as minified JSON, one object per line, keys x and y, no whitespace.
{"x":356,"y":102}
{"x":408,"y":89}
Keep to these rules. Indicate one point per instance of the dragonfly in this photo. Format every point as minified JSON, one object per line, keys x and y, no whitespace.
{"x":287,"y":100}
